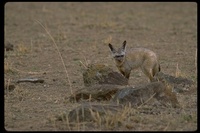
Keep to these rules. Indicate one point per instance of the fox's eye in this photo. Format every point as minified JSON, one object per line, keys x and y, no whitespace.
{"x":118,"y":56}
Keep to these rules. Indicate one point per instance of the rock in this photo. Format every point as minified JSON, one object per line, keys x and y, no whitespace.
{"x":96,"y":92}
{"x":102,"y":74}
{"x":143,"y":94}
{"x":180,"y":84}
{"x":92,"y":112}
{"x":102,"y":83}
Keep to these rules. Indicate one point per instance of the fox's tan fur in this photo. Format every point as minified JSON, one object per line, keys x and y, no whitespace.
{"x":127,"y":60}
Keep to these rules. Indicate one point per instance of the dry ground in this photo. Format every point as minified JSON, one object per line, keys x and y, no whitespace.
{"x":82,"y":32}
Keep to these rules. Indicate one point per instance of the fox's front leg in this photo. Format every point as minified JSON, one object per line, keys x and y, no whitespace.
{"x":125,"y":73}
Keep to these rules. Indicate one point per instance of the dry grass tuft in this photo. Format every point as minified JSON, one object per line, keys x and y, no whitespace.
{"x":117,"y":119}
{"x":22,"y":49}
{"x":107,"y":40}
{"x":179,"y":73}
{"x":8,"y":66}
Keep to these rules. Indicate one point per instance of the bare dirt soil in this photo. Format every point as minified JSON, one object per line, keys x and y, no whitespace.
{"x":81,"y":32}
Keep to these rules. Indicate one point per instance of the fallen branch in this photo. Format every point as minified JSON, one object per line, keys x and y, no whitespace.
{"x":32,"y":80}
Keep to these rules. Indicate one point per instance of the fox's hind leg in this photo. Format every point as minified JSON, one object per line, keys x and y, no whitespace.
{"x":156,"y":69}
{"x":148,"y":71}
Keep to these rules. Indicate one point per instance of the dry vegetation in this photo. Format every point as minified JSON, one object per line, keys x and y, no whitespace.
{"x":56,"y":41}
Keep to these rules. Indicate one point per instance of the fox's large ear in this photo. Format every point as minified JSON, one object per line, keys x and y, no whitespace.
{"x":111,"y":47}
{"x":124,"y":45}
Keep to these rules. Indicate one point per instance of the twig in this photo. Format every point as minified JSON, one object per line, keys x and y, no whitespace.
{"x":58,"y":53}
{"x":83,"y":64}
{"x":32,"y":80}
{"x":165,"y":129}
{"x":147,"y":101}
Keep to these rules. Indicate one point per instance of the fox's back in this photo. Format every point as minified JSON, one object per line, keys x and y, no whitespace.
{"x":136,"y":56}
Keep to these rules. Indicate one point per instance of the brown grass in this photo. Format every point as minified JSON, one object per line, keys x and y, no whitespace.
{"x":22,"y":49}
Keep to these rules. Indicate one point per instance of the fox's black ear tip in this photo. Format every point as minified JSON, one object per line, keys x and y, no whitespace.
{"x":124,"y":42}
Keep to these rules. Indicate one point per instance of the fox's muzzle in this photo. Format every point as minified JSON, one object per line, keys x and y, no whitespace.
{"x":119,"y":58}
